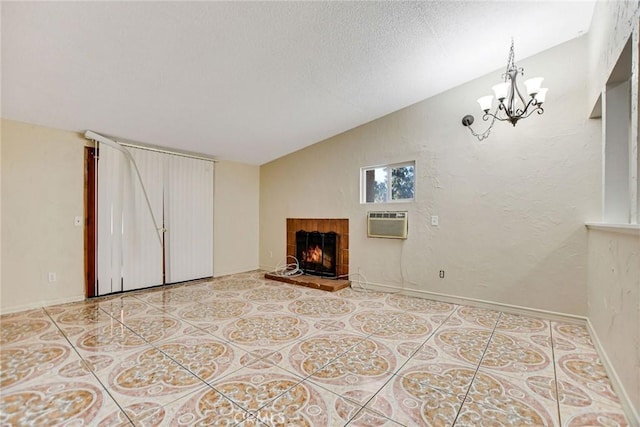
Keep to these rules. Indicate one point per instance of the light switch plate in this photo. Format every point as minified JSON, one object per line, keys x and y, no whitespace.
{"x":435,"y":220}
{"x":77,"y":221}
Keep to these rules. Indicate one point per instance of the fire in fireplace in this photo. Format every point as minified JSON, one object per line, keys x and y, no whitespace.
{"x":316,"y":252}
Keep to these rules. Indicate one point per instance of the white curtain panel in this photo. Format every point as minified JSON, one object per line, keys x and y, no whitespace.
{"x":110,"y":191}
{"x":189,"y":218}
{"x":142,"y":244}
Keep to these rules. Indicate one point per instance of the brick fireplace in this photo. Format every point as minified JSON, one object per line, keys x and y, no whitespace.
{"x":340,"y":226}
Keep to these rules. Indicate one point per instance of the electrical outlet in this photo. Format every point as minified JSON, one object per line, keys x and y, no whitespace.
{"x":435,"y":220}
{"x":441,"y":274}
{"x":52,"y":277}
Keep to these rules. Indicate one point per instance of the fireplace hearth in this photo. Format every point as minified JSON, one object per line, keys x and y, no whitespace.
{"x":317,"y":253}
{"x":340,"y":226}
{"x":337,"y":226}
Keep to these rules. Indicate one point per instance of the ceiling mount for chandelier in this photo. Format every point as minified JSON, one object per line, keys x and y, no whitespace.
{"x":512,"y":105}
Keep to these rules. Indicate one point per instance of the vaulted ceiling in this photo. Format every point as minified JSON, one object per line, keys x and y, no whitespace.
{"x":253,"y":81}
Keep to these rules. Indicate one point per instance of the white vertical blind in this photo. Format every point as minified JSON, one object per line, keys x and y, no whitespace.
{"x":180,"y":193}
{"x":110,"y":212}
{"x":189,"y":218}
{"x":142,"y":247}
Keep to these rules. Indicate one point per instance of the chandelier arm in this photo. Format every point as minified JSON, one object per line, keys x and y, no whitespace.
{"x":514,"y":96}
{"x":538,"y":108}
{"x":520,"y":113}
{"x":522,"y":99}
{"x":495,"y":116}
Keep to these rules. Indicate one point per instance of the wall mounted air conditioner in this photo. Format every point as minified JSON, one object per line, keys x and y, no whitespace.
{"x":390,"y":225}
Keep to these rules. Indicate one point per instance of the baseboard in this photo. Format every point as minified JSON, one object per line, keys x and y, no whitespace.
{"x":41,"y":304}
{"x":631,"y":412}
{"x":217,"y":274}
{"x":268,"y":268}
{"x":473,"y":302}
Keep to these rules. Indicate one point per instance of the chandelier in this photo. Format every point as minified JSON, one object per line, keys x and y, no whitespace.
{"x":512,"y":105}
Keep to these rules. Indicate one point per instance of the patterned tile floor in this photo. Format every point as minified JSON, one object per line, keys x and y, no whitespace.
{"x":245,"y":351}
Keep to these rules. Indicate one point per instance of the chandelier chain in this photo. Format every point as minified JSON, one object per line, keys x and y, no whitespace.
{"x":510,"y":61}
{"x":484,"y":135}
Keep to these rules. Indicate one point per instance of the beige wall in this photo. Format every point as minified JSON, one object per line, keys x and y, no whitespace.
{"x":511,"y":209}
{"x":1,"y":126}
{"x":613,"y":284}
{"x":236,"y":234}
{"x":614,"y":302}
{"x":610,"y":28}
{"x":42,"y":192}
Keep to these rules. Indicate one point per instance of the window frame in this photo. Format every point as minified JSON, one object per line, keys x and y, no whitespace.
{"x":389,"y":167}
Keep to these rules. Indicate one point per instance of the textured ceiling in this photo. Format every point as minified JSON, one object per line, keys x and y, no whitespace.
{"x":253,"y":81}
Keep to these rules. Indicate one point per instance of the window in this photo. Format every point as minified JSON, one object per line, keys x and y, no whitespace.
{"x":388,"y":183}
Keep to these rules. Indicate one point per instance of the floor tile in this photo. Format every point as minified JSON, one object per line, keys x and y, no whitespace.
{"x":516,"y":355}
{"x":368,"y":418}
{"x":216,"y":311}
{"x":480,"y":317}
{"x":585,"y":372}
{"x":398,"y":350}
{"x":113,"y":338}
{"x":516,"y":324}
{"x":269,"y":330}
{"x":309,"y":356}
{"x":252,"y":390}
{"x":343,"y":376}
{"x":378,"y":322}
{"x":422,"y":307}
{"x":205,"y":357}
{"x":321,"y":307}
{"x":413,"y":403}
{"x":244,"y":351}
{"x":27,"y":360}
{"x":574,"y":333}
{"x":473,"y":414}
{"x":233,"y":285}
{"x":155,"y":326}
{"x":594,"y":414}
{"x":443,"y":374}
{"x":430,"y":352}
{"x":459,"y":343}
{"x":79,"y":317}
{"x":407,"y":327}
{"x":20,"y":328}
{"x":206,"y":406}
{"x":272,"y":294}
{"x":149,"y":375}
{"x":55,"y":401}
{"x":146,"y":414}
{"x":306,"y":404}
{"x":123,"y":307}
{"x":508,"y":401}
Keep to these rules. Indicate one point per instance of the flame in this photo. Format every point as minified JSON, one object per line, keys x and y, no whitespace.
{"x":314,"y":254}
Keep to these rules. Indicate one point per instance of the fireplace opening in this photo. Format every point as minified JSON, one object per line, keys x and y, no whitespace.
{"x":316,"y":253}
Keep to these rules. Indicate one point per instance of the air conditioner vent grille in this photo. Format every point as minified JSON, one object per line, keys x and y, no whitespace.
{"x":389,"y":225}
